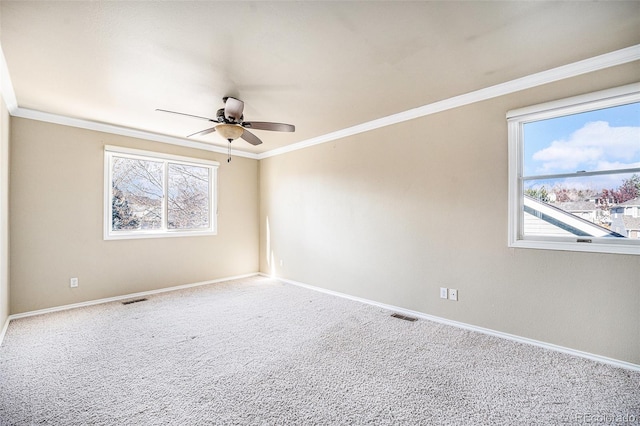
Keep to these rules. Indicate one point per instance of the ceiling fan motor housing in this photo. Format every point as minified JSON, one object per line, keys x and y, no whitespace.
{"x":220,"y":117}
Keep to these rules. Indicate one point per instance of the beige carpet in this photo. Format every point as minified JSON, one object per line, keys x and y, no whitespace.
{"x":259,"y":352}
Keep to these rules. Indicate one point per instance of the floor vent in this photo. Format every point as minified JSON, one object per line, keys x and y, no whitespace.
{"x":404,"y":317}
{"x":128,"y":302}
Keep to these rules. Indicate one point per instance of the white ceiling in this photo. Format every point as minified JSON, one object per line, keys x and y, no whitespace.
{"x":323,"y":66}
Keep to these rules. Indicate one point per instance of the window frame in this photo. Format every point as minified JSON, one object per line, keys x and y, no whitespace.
{"x":516,"y":119}
{"x":111,"y":151}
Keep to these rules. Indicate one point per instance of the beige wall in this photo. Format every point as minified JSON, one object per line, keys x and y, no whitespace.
{"x":56,"y":222}
{"x":393,"y":214}
{"x":389,"y":215}
{"x":4,"y":213}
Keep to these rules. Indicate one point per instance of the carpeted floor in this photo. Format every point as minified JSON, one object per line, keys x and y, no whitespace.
{"x":259,"y":352}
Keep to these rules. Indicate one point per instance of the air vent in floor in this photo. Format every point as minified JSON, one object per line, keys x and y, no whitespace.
{"x":404,"y":317}
{"x":128,"y":302}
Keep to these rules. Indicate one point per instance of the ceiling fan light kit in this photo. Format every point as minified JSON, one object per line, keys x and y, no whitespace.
{"x":229,"y":131}
{"x":231,"y":125}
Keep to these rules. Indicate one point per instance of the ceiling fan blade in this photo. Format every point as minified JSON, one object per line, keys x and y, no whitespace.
{"x":264,"y":125}
{"x":203,"y":132}
{"x":233,"y":109}
{"x":250,"y":137}
{"x":188,"y":115}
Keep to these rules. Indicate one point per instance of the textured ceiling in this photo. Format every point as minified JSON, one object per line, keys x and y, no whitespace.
{"x":322,"y":66}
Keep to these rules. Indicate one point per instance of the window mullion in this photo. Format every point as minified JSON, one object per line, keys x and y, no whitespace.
{"x":109,"y":191}
{"x":165,"y":197}
{"x":581,"y":174}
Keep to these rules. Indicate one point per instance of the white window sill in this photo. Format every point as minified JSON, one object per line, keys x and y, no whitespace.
{"x":593,"y":247}
{"x":168,"y":234}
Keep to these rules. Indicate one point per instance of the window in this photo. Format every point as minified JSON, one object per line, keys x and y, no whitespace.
{"x":574,"y":168}
{"x":148,"y":194}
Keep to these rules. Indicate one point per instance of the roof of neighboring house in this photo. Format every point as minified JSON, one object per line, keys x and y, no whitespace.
{"x":631,"y":203}
{"x":576,"y":205}
{"x":631,"y":222}
{"x":566,"y":221}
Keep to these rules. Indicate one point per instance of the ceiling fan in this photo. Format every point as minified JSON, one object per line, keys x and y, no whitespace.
{"x":230,"y":124}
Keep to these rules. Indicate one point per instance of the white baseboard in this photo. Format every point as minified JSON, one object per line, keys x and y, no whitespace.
{"x":551,"y":346}
{"x":513,"y":337}
{"x":4,"y":329}
{"x":115,"y":299}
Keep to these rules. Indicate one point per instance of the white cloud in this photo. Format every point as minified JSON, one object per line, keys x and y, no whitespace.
{"x":615,"y":165}
{"x":595,"y":145}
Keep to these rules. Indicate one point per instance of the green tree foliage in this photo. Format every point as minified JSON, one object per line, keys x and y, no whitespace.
{"x":121,"y":216}
{"x":538,"y":193}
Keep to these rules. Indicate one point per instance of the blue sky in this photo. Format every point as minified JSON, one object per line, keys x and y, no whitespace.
{"x":607,"y":139}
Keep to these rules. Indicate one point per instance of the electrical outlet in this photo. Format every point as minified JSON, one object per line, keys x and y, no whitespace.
{"x":453,"y":294}
{"x":73,"y":282}
{"x":443,"y":293}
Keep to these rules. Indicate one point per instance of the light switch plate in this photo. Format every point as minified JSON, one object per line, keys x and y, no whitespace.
{"x":443,"y":293}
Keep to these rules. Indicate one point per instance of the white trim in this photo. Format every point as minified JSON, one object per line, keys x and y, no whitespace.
{"x":512,"y":337}
{"x":124,"y":131}
{"x":596,"y":246}
{"x":124,"y":297}
{"x":212,"y":166}
{"x":596,"y":63}
{"x":516,"y":119}
{"x":4,"y":329}
{"x":575,"y":104}
{"x":465,"y":326}
{"x":160,"y":155}
{"x":607,"y":60}
{"x":515,"y":157}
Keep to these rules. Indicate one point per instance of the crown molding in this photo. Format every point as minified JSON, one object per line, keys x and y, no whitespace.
{"x":124,"y":131}
{"x":607,"y":60}
{"x":9,"y":96}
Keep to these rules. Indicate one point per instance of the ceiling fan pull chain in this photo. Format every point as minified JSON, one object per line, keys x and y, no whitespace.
{"x":229,"y":154}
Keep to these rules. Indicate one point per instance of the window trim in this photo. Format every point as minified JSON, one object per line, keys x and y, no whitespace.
{"x":516,"y":119}
{"x":111,"y":151}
